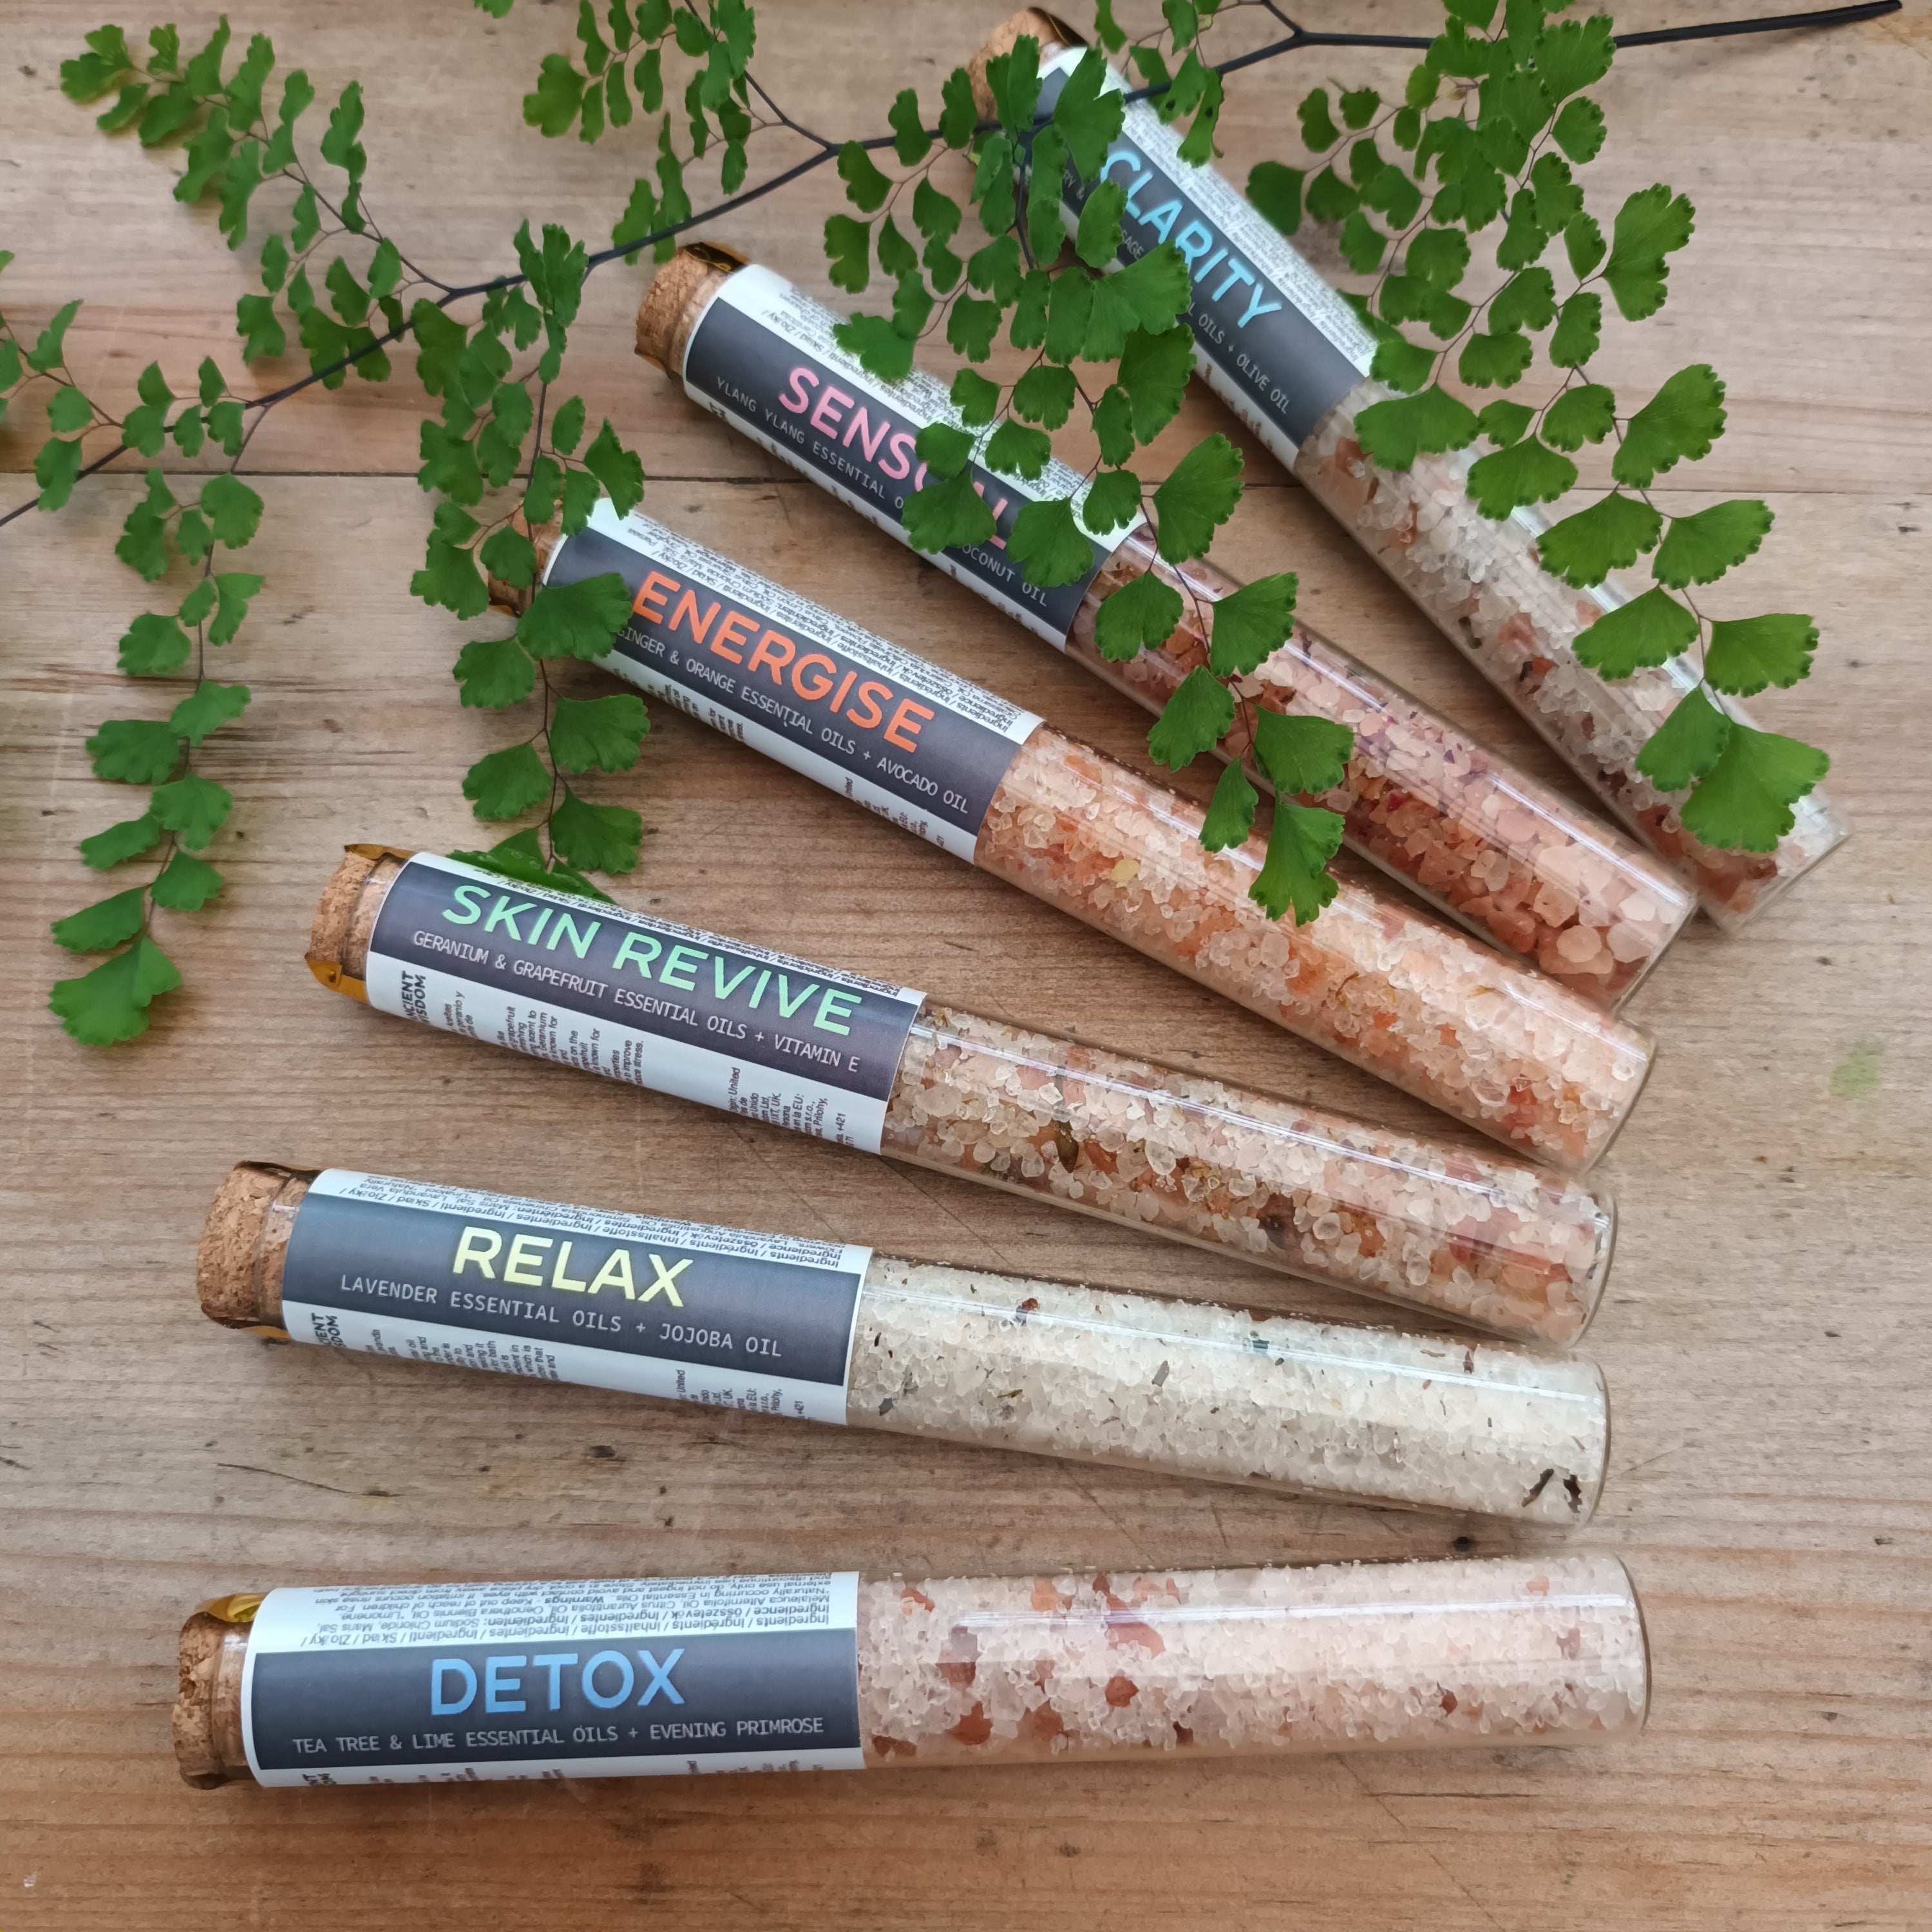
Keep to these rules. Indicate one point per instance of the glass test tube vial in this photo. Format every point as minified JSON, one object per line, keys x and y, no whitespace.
{"x":439,"y":1682}
{"x":1389,"y":989}
{"x":1482,"y":843}
{"x":1474,"y":1235}
{"x":1283,"y":350}
{"x":826,"y":1332}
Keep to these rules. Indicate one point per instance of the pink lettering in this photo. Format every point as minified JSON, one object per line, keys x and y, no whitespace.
{"x":794,"y":399}
{"x":899,"y":451}
{"x":858,"y":426}
{"x":997,"y":541}
{"x":826,"y":416}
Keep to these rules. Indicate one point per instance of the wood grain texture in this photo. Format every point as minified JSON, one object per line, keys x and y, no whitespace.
{"x":1763,"y":1332}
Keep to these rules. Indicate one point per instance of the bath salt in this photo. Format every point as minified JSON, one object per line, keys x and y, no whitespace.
{"x":1479,"y":1236}
{"x":826,"y":1332}
{"x":1290,"y":358}
{"x":1480,"y":841}
{"x":428,"y":1683}
{"x":1389,"y":989}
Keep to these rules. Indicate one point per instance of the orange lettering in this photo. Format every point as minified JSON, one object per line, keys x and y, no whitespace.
{"x":686,"y":613}
{"x":872,"y":715}
{"x":838,"y":696}
{"x":902,"y":721}
{"x":763,"y":653}
{"x":651,"y":594}
{"x":736,"y":629}
{"x":820,"y":685}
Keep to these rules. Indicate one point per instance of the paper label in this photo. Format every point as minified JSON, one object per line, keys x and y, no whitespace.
{"x":430,"y":1683}
{"x":763,"y":357}
{"x":893,"y":732}
{"x":1273,"y":339}
{"x":669,"y":1308}
{"x":639,"y":999}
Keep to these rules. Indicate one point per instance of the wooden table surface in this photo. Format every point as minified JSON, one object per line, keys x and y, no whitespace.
{"x":1764,"y":1332}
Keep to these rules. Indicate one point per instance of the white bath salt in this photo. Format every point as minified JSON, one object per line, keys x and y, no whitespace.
{"x":826,"y":1332}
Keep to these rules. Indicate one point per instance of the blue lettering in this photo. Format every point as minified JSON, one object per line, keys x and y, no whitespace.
{"x":660,"y":1676}
{"x":496,"y":1686}
{"x":554,"y":1662}
{"x":440,"y":1706}
{"x":1238,"y":271}
{"x":590,"y":1669}
{"x":1163,"y":219}
{"x":1257,"y":304}
{"x":1194,"y":241}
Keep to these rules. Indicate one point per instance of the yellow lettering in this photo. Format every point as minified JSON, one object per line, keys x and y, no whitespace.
{"x":664,"y":1281}
{"x":525,"y":1265}
{"x":558,"y":1279}
{"x":480,"y":1245}
{"x":615,"y":1273}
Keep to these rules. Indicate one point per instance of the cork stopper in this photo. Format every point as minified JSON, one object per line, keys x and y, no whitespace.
{"x":208,"y":1750}
{"x":677,"y":297}
{"x":237,"y":1270}
{"x":514,"y":598}
{"x":1052,"y":34}
{"x":338,"y":939}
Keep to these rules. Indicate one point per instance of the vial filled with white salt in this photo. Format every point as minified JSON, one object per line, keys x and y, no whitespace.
{"x":826,"y":1332}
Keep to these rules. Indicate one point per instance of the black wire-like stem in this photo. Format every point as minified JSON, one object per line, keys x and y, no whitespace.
{"x":1298,"y":37}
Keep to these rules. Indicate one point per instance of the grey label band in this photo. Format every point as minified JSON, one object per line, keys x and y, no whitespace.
{"x":617,"y":992}
{"x":762,"y":356}
{"x":1256,"y":342}
{"x":490,"y":1681}
{"x":807,"y":688}
{"x":392,"y":1266}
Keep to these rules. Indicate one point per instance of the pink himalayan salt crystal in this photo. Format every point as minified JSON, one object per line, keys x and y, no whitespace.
{"x":1452,"y":820}
{"x":1389,"y":990}
{"x":1235,"y":1662}
{"x":1479,"y":581}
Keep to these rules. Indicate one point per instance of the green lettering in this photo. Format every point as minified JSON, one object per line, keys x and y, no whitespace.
{"x":843,"y":1005}
{"x":632,"y":952}
{"x":536,"y":931}
{"x":566,"y":928}
{"x":503,"y":913}
{"x":787,"y":1006}
{"x":727,"y":987}
{"x":685,"y":959}
{"x":471,"y":898}
{"x":758,"y":991}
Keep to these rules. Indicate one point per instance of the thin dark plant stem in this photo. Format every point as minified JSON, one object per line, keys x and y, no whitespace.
{"x":1298,"y":37}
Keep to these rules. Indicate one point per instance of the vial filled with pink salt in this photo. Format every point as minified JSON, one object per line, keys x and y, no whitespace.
{"x":1482,"y":842}
{"x":1290,"y":358}
{"x":1390,"y":989}
{"x":1477,"y":1235}
{"x":432,"y":1683}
